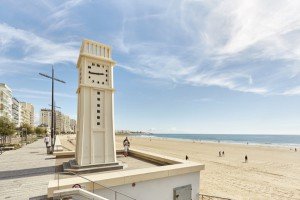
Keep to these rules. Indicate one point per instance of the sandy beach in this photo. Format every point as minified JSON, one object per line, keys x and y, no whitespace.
{"x":271,"y":172}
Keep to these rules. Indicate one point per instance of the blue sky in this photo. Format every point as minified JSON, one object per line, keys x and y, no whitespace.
{"x":191,"y":66}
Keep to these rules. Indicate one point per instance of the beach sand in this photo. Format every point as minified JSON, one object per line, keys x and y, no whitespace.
{"x":271,"y":172}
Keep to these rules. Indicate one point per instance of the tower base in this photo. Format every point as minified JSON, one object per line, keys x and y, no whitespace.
{"x":73,"y":167}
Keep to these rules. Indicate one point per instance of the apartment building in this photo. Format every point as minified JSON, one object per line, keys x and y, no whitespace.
{"x":62,"y":121}
{"x":16,"y":112}
{"x":5,"y":101}
{"x":73,"y":125}
{"x":27,"y":113}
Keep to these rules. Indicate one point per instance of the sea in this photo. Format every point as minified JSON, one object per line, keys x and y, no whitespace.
{"x":292,"y":141}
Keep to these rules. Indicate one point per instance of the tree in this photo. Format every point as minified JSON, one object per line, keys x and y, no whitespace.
{"x":40,"y":131}
{"x":28,"y":127}
{"x":7,"y":128}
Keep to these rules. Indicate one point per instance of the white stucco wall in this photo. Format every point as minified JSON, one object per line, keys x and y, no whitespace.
{"x":158,"y":189}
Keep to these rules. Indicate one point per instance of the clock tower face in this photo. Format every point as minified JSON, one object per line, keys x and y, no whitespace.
{"x":97,"y":74}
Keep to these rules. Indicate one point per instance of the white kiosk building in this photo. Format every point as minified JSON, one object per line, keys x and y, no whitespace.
{"x":104,"y":172}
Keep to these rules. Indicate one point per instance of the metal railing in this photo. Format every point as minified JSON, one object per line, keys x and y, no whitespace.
{"x":116,"y":193}
{"x":210,"y":197}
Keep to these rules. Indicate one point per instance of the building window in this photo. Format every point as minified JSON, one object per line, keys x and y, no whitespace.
{"x":98,"y":123}
{"x":98,"y":117}
{"x":98,"y":111}
{"x":98,"y":92}
{"x":89,"y":67}
{"x":98,"y":99}
{"x":98,"y":105}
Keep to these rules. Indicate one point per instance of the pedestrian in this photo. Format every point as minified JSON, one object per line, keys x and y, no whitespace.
{"x":246,"y":158}
{"x":223,"y":153}
{"x":295,"y":149}
{"x":186,"y":157}
{"x":47,"y":140}
{"x":220,"y":154}
{"x":126,"y":139}
{"x":126,"y":145}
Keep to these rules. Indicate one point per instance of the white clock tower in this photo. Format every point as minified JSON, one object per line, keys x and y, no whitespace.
{"x":95,"y":141}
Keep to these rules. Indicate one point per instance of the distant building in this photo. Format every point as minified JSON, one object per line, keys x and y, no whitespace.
{"x":45,"y":117}
{"x":27,"y":113}
{"x":73,"y":125}
{"x":16,"y":112}
{"x":62,"y":121}
{"x":66,"y":124}
{"x":5,"y":101}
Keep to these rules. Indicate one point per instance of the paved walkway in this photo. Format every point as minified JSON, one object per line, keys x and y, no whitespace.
{"x":25,"y":173}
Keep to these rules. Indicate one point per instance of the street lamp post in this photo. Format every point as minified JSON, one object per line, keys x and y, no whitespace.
{"x":52,"y":105}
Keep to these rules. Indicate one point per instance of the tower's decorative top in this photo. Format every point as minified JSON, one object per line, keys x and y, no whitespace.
{"x":95,"y":49}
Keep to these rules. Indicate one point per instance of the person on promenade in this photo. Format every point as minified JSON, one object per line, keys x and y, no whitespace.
{"x":126,"y":145}
{"x":246,"y":158}
{"x":47,"y":140}
{"x":220,"y":154}
{"x":186,"y":157}
{"x":223,"y":153}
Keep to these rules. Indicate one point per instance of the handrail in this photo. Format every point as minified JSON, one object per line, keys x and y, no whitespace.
{"x":116,"y":192}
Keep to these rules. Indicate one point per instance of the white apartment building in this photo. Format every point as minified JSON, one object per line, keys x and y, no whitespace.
{"x":62,"y":122}
{"x":73,"y":125}
{"x":27,"y":113}
{"x":16,"y":112}
{"x":45,"y":117}
{"x":5,"y":101}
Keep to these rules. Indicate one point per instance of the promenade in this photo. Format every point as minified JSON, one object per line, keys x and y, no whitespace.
{"x":25,"y":173}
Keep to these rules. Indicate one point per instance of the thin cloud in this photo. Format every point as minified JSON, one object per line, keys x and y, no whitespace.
{"x":36,"y":49}
{"x":293,"y":91}
{"x":245,"y":46}
{"x":38,"y":92}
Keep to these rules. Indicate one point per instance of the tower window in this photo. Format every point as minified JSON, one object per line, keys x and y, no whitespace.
{"x":98,"y":99}
{"x":98,"y":92}
{"x":98,"y":117}
{"x":98,"y":105}
{"x":102,"y":83}
{"x":98,"y":123}
{"x":98,"y":111}
{"x":98,"y":82}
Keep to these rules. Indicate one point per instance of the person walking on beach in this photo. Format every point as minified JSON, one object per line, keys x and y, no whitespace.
{"x":220,"y":154}
{"x":246,"y":158}
{"x":186,"y":157}
{"x":223,"y":153}
{"x":126,"y":145}
{"x":126,"y":139}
